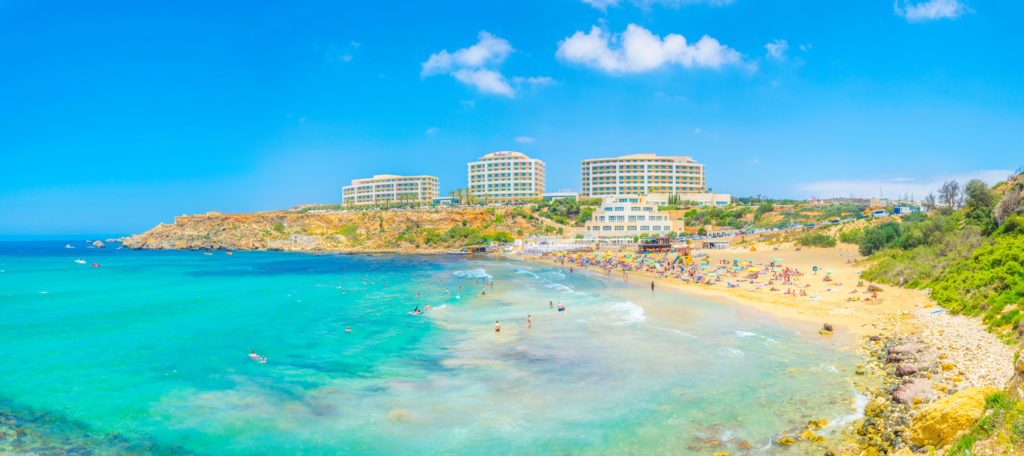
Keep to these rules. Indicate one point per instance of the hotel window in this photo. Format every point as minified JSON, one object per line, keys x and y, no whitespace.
{"x":619,"y":209}
{"x":632,"y":227}
{"x":644,"y":228}
{"x":618,"y":228}
{"x":607,"y":228}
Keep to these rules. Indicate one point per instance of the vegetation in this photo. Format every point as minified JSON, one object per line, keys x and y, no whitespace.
{"x":566,"y":211}
{"x":1003,"y":422}
{"x":279,"y":227}
{"x":816,"y":240}
{"x":463,"y":236}
{"x":972,"y":258}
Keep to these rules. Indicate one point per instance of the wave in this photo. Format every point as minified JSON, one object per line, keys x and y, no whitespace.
{"x":477,"y":273}
{"x":825,"y":368}
{"x":731,"y":352}
{"x":629,"y":312}
{"x":740,"y":333}
{"x":860,"y":400}
{"x":526,"y":271}
{"x":553,"y":274}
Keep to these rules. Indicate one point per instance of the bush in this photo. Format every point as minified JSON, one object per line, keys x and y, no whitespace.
{"x":279,"y":227}
{"x":817,"y":240}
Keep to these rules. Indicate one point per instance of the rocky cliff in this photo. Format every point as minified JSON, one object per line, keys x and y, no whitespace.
{"x":379,"y":230}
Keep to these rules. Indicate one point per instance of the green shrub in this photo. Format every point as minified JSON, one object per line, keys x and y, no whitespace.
{"x":816,"y":240}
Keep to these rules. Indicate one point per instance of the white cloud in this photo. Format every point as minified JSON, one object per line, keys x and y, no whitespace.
{"x":696,"y":131}
{"x":896,"y":186}
{"x":476,"y":66}
{"x":777,"y":49}
{"x":638,"y":50}
{"x":930,"y":10}
{"x":604,"y":4}
{"x":431,"y":130}
{"x":524,"y":139}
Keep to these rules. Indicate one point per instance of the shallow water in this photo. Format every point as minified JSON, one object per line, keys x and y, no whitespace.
{"x":148,"y":353}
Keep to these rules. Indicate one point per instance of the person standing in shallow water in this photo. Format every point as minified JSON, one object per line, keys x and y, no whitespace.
{"x":652,"y":285}
{"x":529,"y":321}
{"x":497,"y":327}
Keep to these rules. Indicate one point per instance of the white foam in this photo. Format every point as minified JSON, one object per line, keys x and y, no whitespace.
{"x":628,"y":311}
{"x":554,"y":274}
{"x":478,"y":273}
{"x":740,"y":333}
{"x":526,"y":271}
{"x":825,"y":368}
{"x":860,"y":400}
{"x":731,"y":352}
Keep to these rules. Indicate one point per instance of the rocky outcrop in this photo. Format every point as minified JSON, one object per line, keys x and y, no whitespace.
{"x":941,"y":422}
{"x":1015,"y":387}
{"x":376,"y":230}
{"x":98,"y":244}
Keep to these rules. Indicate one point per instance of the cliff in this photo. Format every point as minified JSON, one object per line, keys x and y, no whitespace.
{"x":378,"y":230}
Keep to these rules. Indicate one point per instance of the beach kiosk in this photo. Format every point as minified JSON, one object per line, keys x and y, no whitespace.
{"x":715,"y":245}
{"x":655,"y":244}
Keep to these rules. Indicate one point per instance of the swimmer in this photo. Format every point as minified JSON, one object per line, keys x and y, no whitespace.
{"x":426,"y":307}
{"x":529,"y":322}
{"x":551,"y":305}
{"x":347,"y":329}
{"x":263,"y":360}
{"x":497,"y":327}
{"x":253,"y":356}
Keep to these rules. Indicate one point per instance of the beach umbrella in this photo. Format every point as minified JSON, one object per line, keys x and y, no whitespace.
{"x":828,"y":272}
{"x":704,"y":266}
{"x":776,"y":259}
{"x":752,"y":270}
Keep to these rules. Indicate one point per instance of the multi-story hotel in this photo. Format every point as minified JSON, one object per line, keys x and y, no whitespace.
{"x":387,"y":188}
{"x":630,"y":215}
{"x":506,"y":177}
{"x":641,"y":174}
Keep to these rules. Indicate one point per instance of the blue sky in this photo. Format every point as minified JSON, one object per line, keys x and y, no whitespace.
{"x":116,"y":116}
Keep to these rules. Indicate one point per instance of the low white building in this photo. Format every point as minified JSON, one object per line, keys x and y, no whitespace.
{"x":628,"y":216}
{"x":693,"y":199}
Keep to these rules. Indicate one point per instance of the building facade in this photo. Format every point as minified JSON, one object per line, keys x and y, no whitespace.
{"x":630,"y":215}
{"x":506,"y":177}
{"x":693,"y":199}
{"x":641,"y":174}
{"x":390,"y":189}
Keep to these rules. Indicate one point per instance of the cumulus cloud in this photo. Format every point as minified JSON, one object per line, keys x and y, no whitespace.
{"x":897,"y":186}
{"x":477,"y":66}
{"x":524,"y":139}
{"x":604,"y":4}
{"x":929,"y":10}
{"x":638,"y":50}
{"x":777,"y":49}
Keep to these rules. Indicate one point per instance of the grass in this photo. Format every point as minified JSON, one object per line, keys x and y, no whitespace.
{"x":1002,"y":421}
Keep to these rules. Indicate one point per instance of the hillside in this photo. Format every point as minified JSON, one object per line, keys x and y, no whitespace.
{"x":407,"y":230}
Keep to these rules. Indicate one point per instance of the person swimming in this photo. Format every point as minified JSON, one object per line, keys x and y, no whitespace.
{"x":253,"y":356}
{"x":263,"y":360}
{"x":347,"y":329}
{"x":529,"y":321}
{"x":497,"y":327}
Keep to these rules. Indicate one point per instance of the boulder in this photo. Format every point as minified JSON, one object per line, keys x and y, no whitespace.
{"x":943,"y":421}
{"x":904,"y":370}
{"x":98,"y":244}
{"x":1015,"y":388}
{"x":914,"y":387}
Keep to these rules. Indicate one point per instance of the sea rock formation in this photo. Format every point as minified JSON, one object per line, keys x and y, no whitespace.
{"x":370,"y":230}
{"x":98,"y":244}
{"x":941,"y":422}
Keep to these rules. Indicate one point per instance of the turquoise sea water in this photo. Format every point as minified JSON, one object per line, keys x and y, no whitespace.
{"x":148,"y":354}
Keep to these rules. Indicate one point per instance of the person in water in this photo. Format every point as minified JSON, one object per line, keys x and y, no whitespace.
{"x":529,"y":321}
{"x":497,"y":327}
{"x":347,"y":329}
{"x":263,"y":360}
{"x":253,"y":356}
{"x":652,"y":285}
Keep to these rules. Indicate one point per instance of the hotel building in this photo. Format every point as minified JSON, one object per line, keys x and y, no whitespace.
{"x":630,"y":215}
{"x":387,"y":188}
{"x":506,"y":177}
{"x":641,"y":174}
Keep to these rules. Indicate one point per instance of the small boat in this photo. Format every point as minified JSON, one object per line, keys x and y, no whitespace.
{"x":96,"y":264}
{"x":68,"y":246}
{"x":229,"y":253}
{"x":80,"y":261}
{"x":207,"y":253}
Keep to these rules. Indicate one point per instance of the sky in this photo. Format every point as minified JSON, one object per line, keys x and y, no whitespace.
{"x":117,"y":116}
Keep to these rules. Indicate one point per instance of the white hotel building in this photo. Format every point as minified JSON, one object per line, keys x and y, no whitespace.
{"x":641,"y":174}
{"x":387,"y":189}
{"x":506,"y":177}
{"x":630,"y":215}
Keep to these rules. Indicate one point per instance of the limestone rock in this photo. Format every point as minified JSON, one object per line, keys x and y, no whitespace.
{"x":1015,"y":388}
{"x":98,"y":244}
{"x":941,"y":422}
{"x":913,"y":388}
{"x":904,"y":370}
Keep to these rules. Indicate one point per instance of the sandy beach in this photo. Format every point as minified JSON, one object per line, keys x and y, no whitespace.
{"x":854,"y":313}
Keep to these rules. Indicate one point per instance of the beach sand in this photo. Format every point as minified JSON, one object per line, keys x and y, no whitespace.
{"x":980,"y":356}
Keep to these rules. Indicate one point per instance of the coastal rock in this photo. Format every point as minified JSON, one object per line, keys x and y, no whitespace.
{"x":875,"y":408}
{"x":904,"y":370}
{"x":98,"y":244}
{"x":914,"y":387}
{"x":941,"y":422}
{"x":894,"y":358}
{"x":1015,"y":387}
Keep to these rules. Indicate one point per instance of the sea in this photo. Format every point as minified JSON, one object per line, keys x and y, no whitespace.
{"x":120,"y":352}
